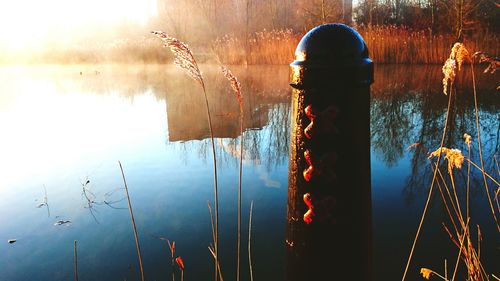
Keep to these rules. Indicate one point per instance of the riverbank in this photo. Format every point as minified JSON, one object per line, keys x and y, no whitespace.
{"x":387,"y":44}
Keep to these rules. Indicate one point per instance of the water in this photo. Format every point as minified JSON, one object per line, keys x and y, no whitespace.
{"x":64,"y":129}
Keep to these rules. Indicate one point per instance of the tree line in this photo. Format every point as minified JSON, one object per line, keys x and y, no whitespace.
{"x":204,"y":20}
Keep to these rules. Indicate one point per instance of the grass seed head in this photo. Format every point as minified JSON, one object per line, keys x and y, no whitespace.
{"x":183,"y":57}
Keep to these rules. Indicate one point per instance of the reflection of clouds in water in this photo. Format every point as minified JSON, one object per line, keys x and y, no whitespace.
{"x":264,"y":176}
{"x":233,"y":149}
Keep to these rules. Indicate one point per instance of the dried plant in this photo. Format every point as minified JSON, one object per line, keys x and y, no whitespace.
{"x":236,"y":86}
{"x":454,"y":157}
{"x":449,"y":71}
{"x":428,"y":273}
{"x":249,"y":242}
{"x":467,"y":251}
{"x":184,"y":59}
{"x":493,"y":62}
{"x":136,"y":236}
{"x":75,"y":258}
{"x":458,"y":56}
{"x":180,"y":263}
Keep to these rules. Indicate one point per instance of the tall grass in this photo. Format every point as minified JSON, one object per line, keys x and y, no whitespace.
{"x":136,"y":236}
{"x":460,"y":235}
{"x":264,"y":47}
{"x":184,"y":59}
{"x":75,"y":258}
{"x":387,"y":44}
{"x":236,"y":86}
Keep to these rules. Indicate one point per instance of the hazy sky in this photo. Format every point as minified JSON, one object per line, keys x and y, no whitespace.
{"x":25,"y":22}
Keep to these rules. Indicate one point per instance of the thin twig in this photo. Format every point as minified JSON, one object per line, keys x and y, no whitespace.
{"x":133,"y":223}
{"x":485,"y":173}
{"x":431,"y":187}
{"x":460,"y":250}
{"x":480,"y":147}
{"x":211,"y":250}
{"x":46,"y":200}
{"x":75,"y":260}
{"x":249,"y":242}
{"x":236,"y":86}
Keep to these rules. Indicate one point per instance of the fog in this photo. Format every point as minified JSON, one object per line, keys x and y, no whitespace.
{"x":93,"y":31}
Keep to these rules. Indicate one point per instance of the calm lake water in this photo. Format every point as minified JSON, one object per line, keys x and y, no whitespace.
{"x":64,"y":129}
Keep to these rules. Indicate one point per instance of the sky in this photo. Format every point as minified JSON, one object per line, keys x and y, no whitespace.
{"x":25,"y":22}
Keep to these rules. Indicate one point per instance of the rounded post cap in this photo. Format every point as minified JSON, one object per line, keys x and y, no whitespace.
{"x":331,"y":52}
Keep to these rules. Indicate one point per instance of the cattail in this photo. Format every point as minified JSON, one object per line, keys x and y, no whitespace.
{"x":183,"y":56}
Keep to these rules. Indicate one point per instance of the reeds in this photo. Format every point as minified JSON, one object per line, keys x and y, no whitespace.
{"x":387,"y":44}
{"x":265,"y":47}
{"x":250,"y":241}
{"x":236,"y":86}
{"x":75,"y":258}
{"x":184,"y":59}
{"x":461,"y":235}
{"x":136,"y":236}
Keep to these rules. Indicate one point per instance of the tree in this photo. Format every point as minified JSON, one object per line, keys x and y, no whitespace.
{"x":315,"y":12}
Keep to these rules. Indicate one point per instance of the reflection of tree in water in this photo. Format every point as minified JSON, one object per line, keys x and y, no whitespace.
{"x":412,"y":109}
{"x":266,"y":115}
{"x":269,"y":146}
{"x":392,"y":123}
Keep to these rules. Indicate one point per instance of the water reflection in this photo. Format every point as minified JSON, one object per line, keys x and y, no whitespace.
{"x":411,"y":109}
{"x":407,"y":118}
{"x":61,"y":129}
{"x":67,"y":126}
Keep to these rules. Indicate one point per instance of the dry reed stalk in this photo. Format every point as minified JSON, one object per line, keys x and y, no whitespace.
{"x":183,"y":58}
{"x":136,"y":236}
{"x":429,"y":196}
{"x":171,"y":246}
{"x":75,"y":260}
{"x":444,"y":199}
{"x":210,"y":248}
{"x":478,"y":128}
{"x":236,"y":86}
{"x":462,"y":239}
{"x":249,"y":242}
{"x":434,"y":174}
{"x":180,"y":263}
{"x":485,"y":173}
{"x":468,"y":141}
{"x":464,"y":235}
{"x":496,"y":163}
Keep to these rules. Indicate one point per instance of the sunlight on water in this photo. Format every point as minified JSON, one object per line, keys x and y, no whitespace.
{"x":48,"y":130}
{"x":65,"y":127}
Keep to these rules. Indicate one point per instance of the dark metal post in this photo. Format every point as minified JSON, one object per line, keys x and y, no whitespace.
{"x":329,"y":197}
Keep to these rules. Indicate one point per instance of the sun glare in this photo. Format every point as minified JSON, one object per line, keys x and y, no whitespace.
{"x":27,"y":22}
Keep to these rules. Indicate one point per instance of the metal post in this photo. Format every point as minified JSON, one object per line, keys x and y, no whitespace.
{"x":329,"y":200}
